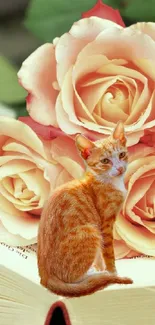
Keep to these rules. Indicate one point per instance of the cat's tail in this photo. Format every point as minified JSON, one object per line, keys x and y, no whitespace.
{"x":88,"y":285}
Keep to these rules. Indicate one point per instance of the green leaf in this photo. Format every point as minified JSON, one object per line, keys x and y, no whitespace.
{"x":22,"y":111}
{"x":138,"y":10}
{"x":10,"y":90}
{"x":51,"y":18}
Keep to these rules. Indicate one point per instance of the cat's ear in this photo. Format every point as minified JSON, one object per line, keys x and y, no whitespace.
{"x":84,"y":145}
{"x":119,"y":133}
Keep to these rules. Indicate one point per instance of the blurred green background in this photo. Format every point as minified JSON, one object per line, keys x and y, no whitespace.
{"x":26,"y":24}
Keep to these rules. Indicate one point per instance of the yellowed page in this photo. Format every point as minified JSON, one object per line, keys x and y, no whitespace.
{"x":22,"y":260}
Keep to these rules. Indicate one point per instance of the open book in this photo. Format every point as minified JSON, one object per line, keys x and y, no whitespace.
{"x":23,"y":301}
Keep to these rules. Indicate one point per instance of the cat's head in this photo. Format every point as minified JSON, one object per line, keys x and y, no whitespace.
{"x":108,"y":156}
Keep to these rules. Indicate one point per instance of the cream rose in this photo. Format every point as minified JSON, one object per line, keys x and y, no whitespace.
{"x":135,"y":226}
{"x":30,"y":169}
{"x":93,"y":76}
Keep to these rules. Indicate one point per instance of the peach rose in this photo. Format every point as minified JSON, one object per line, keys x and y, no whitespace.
{"x":135,"y":226}
{"x":93,"y":76}
{"x":30,"y":169}
{"x":149,"y":137}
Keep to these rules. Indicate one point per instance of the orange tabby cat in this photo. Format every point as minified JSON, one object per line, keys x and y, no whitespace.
{"x":76,"y":226}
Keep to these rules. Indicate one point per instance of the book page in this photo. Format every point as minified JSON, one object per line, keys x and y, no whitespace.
{"x":141,"y":270}
{"x":22,"y":260}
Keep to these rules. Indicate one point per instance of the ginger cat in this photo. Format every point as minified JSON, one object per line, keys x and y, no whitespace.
{"x":76,"y":226}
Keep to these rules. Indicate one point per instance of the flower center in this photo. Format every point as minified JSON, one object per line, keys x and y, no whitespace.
{"x":114,"y":103}
{"x":17,"y":192}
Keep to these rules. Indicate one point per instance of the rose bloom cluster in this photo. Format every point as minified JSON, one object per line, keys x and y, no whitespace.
{"x":84,"y":82}
{"x":30,"y":169}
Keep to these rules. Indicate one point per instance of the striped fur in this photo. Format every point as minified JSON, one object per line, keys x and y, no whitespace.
{"x":76,"y":226}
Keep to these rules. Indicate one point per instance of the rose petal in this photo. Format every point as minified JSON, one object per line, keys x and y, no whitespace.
{"x":133,"y":138}
{"x":128,"y":45}
{"x":140,"y":239}
{"x":66,"y":52}
{"x":150,"y":122}
{"x":37,"y":74}
{"x":44,"y":131}
{"x":3,"y":139}
{"x":8,"y":184}
{"x":65,"y":147}
{"x":136,"y":168}
{"x":63,"y":121}
{"x":12,"y":128}
{"x":70,"y":44}
{"x":145,"y":28}
{"x":51,"y":174}
{"x":137,"y":192}
{"x":24,"y":227}
{"x":12,"y":198}
{"x":133,"y":253}
{"x":90,"y":28}
{"x":35,"y":182}
{"x":21,"y":152}
{"x":13,"y":240}
{"x":146,"y":66}
{"x":73,"y":168}
{"x":143,"y":99}
{"x":68,"y":99}
{"x":15,"y":167}
{"x":139,"y":151}
{"x":102,"y":10}
{"x":121,"y":249}
{"x":63,"y":178}
{"x":68,"y":158}
{"x":17,"y":222}
{"x":150,"y":196}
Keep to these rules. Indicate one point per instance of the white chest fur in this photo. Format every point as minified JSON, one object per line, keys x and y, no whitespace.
{"x":118,"y":183}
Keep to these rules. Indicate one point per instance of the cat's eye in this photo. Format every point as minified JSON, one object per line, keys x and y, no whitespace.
{"x":122,"y":154}
{"x":105,"y":161}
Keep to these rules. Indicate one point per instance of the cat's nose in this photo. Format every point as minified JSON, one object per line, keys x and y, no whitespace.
{"x":120,"y":170}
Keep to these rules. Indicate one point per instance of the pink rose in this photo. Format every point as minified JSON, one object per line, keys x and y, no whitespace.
{"x":135,"y":226}
{"x":149,"y":137}
{"x":93,"y":76}
{"x":30,"y":169}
